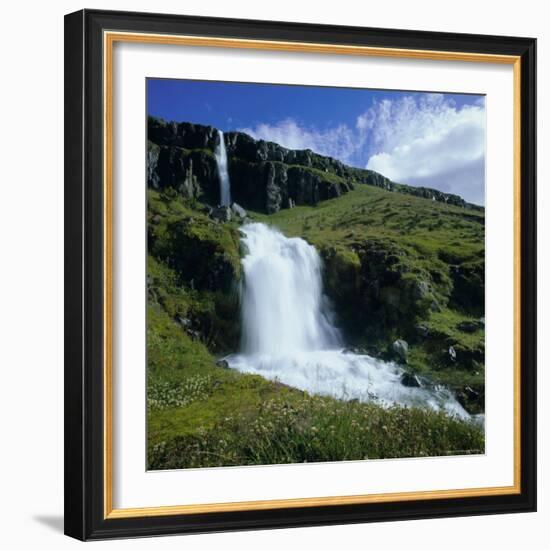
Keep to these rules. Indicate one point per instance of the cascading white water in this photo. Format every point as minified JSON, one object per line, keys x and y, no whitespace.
{"x":225,"y":184}
{"x":282,"y":302}
{"x":288,"y":334}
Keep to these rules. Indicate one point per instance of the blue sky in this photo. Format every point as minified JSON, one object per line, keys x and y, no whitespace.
{"x":431,"y":139}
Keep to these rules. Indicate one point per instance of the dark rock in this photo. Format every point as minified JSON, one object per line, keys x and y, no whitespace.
{"x":182,"y":134}
{"x":400,"y":349}
{"x":472,"y":399}
{"x":221,"y":214}
{"x":198,"y":258}
{"x":470,"y":326}
{"x":422,"y":331}
{"x":222,"y":363}
{"x":468,"y":287}
{"x":191,"y":173}
{"x":410,"y":380}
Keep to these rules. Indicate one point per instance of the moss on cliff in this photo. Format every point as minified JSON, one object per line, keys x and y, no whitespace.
{"x":194,"y":269}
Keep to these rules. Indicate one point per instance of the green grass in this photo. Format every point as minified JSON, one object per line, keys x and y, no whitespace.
{"x":416,"y":242}
{"x":424,"y":226}
{"x":200,"y":414}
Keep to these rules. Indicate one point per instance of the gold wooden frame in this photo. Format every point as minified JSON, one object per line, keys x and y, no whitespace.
{"x":109,"y":39}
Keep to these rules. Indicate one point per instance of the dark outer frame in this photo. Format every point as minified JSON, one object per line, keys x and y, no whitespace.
{"x":84,"y":283}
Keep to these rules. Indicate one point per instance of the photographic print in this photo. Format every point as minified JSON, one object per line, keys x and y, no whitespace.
{"x":315,"y":274}
{"x":278,"y":272}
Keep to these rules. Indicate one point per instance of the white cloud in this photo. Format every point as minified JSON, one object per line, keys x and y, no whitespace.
{"x":338,"y":142}
{"x":422,"y":140}
{"x":429,"y":142}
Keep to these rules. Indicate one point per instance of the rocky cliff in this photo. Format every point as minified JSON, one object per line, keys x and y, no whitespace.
{"x":265,"y":176}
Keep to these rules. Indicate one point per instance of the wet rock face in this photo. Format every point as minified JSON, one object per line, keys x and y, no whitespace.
{"x":410,"y":380}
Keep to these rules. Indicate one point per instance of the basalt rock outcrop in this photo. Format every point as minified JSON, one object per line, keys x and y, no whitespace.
{"x":265,"y":176}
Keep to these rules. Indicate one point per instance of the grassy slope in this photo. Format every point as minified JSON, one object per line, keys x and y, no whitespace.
{"x":430,"y":235}
{"x":202,"y":415}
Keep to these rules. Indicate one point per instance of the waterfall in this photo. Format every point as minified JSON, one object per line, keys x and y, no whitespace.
{"x":289,"y":334}
{"x":282,"y":307}
{"x":221,"y":160}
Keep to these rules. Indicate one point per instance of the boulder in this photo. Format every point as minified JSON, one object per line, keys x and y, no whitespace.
{"x":468,"y":292}
{"x":410,"y":380}
{"x":400,"y":349}
{"x":472,"y":326}
{"x":472,"y":399}
{"x":222,"y":363}
{"x":221,"y":214}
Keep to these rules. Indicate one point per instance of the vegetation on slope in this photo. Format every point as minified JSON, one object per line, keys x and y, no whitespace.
{"x":202,"y":414}
{"x":400,"y":263}
{"x":404,"y":267}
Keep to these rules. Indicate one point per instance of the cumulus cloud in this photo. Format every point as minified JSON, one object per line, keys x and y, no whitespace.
{"x":428,"y":142}
{"x":339,"y":142}
{"x":422,"y":140}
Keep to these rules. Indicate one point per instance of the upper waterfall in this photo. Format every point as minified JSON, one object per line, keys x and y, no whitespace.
{"x":221,"y":159}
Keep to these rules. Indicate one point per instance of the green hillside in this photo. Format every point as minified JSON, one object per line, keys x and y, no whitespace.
{"x":399,"y":264}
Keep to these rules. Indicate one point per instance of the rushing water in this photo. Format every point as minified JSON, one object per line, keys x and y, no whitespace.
{"x":289,"y":334}
{"x":221,"y":159}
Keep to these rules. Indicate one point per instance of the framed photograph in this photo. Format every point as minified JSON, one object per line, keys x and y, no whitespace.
{"x":300,"y":274}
